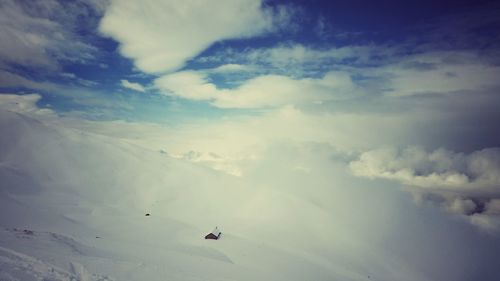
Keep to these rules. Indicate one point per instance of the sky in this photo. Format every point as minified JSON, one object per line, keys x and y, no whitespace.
{"x":401,"y":93}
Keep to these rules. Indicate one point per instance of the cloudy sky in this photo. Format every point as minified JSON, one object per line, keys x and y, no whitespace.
{"x":402,"y":93}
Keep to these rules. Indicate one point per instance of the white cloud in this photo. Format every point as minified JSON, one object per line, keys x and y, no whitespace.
{"x":232,"y":67}
{"x":26,"y":104}
{"x":68,"y":75}
{"x":188,"y":85}
{"x":131,"y":85}
{"x":465,"y":184}
{"x":162,"y":35}
{"x":261,"y":91}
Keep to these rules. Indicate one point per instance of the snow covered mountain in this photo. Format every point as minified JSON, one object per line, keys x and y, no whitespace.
{"x":73,"y":205}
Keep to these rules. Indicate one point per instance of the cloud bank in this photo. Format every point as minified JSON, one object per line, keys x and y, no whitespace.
{"x":464,"y":184}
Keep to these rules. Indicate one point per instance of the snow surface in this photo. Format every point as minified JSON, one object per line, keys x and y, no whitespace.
{"x":73,"y":205}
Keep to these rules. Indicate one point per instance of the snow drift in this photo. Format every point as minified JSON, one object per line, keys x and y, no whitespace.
{"x":82,"y":199}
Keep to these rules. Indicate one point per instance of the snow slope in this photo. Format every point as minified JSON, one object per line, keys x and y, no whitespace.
{"x":73,"y":205}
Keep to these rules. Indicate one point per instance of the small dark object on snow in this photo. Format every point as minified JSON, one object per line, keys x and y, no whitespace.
{"x":215,"y":234}
{"x":28,"y":232}
{"x":147,"y":215}
{"x":97,"y":237}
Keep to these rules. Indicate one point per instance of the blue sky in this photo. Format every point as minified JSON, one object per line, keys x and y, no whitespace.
{"x":80,"y":56}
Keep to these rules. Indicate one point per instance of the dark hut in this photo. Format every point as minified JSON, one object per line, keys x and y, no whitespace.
{"x":215,"y":234}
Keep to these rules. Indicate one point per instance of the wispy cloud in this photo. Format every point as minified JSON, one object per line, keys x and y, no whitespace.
{"x":299,"y":60}
{"x":42,"y":33}
{"x":131,"y":85}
